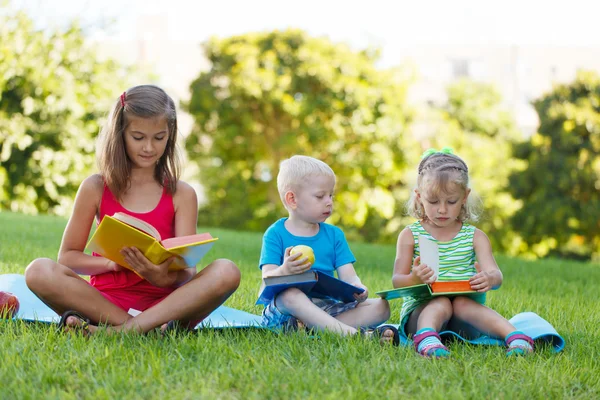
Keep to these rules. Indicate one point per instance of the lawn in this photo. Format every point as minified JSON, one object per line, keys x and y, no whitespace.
{"x":37,"y":362}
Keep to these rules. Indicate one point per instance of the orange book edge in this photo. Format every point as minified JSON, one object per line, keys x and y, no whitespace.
{"x":451,"y":287}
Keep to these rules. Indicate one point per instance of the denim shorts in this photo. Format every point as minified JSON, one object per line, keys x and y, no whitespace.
{"x":272,"y":317}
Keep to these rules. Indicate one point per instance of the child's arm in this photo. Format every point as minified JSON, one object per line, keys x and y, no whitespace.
{"x":70,"y":254}
{"x":291,"y":265}
{"x":186,"y":215}
{"x":348,"y":274}
{"x":488,"y":274}
{"x":186,"y":222}
{"x":403,"y":274}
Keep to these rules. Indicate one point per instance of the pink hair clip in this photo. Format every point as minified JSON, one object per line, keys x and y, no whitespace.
{"x":123,"y":98}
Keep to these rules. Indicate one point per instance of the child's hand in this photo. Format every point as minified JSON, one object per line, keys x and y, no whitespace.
{"x":481,"y":281}
{"x":294,"y":264}
{"x":360,"y":297}
{"x":113,"y":266}
{"x":422,"y":271}
{"x":157,"y":275}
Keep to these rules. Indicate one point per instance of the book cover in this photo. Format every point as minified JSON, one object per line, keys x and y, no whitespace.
{"x":429,"y":252}
{"x":311,"y":282}
{"x":439,"y":288}
{"x":274,"y":285}
{"x":421,"y":290}
{"x":112,"y":235}
{"x":449,"y":288}
{"x":330,"y":286}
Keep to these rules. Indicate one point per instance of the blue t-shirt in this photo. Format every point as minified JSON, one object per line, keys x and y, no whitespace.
{"x":329,"y":245}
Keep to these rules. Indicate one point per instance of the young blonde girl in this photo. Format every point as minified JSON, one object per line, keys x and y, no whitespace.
{"x":139,"y":175}
{"x":442,"y":203}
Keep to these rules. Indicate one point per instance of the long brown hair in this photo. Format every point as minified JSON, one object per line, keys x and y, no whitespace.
{"x":144,"y":101}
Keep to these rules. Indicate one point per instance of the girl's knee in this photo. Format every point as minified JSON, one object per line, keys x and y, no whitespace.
{"x":229,"y":274}
{"x":441,"y":302}
{"x":37,"y":272}
{"x":461,"y":304}
{"x":442,"y":306}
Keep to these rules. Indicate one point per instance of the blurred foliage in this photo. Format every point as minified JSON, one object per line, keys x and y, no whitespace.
{"x":268,"y":96}
{"x":53,"y":91}
{"x":480,"y":129}
{"x":560,"y":183}
{"x":271,"y":95}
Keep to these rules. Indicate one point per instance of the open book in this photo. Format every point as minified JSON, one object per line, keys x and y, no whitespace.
{"x":122,"y":230}
{"x":429,"y":253}
{"x":312,"y":282}
{"x":450,"y":288}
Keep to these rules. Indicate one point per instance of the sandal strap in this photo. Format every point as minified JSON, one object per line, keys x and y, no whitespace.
{"x":519,"y":336}
{"x":419,"y":338}
{"x":382,"y":328}
{"x":425,"y":350}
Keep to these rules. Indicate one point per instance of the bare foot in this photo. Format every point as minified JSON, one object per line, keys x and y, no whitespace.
{"x":74,"y":322}
{"x":387,"y":335}
{"x":176,"y":326}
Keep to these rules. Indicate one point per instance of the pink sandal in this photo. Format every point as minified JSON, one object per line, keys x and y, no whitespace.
{"x":431,"y":351}
{"x":515,"y":350}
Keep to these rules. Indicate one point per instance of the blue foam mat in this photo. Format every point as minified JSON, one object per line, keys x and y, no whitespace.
{"x":531,"y":324}
{"x":33,"y":309}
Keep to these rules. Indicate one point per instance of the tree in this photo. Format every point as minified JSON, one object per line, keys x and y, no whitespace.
{"x":482,"y":131}
{"x":560,"y":186}
{"x":269,"y":96}
{"x":476,"y":125}
{"x":53,"y":91}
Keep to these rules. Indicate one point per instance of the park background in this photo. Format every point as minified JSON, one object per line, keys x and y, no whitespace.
{"x":513,"y":87}
{"x":366,"y":86}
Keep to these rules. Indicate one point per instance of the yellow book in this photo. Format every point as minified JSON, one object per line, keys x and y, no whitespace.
{"x":123,"y":230}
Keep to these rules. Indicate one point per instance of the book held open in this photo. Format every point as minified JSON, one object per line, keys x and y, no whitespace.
{"x":438,"y":288}
{"x":429,"y":251}
{"x":311,"y":282}
{"x":122,"y":230}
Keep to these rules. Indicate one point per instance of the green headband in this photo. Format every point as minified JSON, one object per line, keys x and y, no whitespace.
{"x":443,"y":150}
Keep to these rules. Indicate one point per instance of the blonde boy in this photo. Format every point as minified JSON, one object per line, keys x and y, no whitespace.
{"x":306,"y":188}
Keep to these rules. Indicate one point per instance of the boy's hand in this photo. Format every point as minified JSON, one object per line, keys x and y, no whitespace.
{"x":294,"y":264}
{"x":422,"y":271}
{"x":481,"y":281}
{"x":360,"y":297}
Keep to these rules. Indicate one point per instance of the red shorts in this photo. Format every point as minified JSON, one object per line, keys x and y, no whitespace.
{"x":128,"y":291}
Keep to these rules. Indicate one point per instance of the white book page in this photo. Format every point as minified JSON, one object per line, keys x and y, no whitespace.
{"x":138,"y":224}
{"x":429,"y":254}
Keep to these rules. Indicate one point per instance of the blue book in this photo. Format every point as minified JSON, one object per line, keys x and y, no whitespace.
{"x":312,"y":282}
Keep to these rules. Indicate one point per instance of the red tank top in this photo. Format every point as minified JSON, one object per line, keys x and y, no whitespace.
{"x":162,"y":218}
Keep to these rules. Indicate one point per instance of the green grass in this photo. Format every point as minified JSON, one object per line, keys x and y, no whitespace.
{"x":36,"y":362}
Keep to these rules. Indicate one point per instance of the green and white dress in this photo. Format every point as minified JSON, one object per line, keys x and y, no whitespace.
{"x":457,"y":262}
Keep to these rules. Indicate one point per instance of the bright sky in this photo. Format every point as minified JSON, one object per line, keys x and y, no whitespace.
{"x":390,"y":25}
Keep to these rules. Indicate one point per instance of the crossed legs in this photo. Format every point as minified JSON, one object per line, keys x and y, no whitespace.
{"x":62,"y":289}
{"x":371,"y":312}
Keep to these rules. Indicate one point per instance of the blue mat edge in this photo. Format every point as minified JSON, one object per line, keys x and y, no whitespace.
{"x":527,"y":322}
{"x":34,"y":310}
